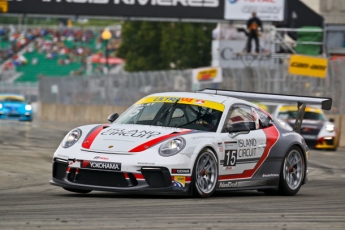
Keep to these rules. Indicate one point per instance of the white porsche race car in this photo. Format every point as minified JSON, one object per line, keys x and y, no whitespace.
{"x":187,"y":143}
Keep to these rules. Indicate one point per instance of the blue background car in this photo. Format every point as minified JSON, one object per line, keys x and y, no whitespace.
{"x":14,"y":107}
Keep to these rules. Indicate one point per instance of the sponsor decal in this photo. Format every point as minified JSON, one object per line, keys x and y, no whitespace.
{"x":220,"y":147}
{"x":185,"y":3}
{"x":101,"y":158}
{"x":103,"y":165}
{"x":188,"y":100}
{"x":199,"y":102}
{"x":290,"y":134}
{"x":308,"y":66}
{"x":231,"y":145}
{"x":202,"y":137}
{"x":270,"y":175}
{"x":230,"y":168}
{"x":247,"y":147}
{"x":309,"y":137}
{"x":110,"y":146}
{"x":166,"y":99}
{"x":229,"y":184}
{"x":179,"y":182}
{"x":180,"y":171}
{"x":130,"y":133}
{"x":146,"y":163}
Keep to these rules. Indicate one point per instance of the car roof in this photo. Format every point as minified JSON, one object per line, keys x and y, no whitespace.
{"x":201,"y":96}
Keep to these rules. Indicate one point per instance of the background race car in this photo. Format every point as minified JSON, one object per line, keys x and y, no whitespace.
{"x":14,"y":107}
{"x":316,"y":130}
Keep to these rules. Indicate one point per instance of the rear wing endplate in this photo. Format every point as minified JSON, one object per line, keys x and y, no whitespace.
{"x":324,"y":102}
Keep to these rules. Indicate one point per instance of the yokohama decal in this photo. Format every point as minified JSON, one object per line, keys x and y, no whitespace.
{"x":157,"y":140}
{"x":91,"y":136}
{"x":272,"y":135}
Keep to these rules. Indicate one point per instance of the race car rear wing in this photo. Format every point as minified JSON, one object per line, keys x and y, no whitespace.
{"x":302,"y":101}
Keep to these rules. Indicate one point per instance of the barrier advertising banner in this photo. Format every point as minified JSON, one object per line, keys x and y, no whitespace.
{"x":308,"y":66}
{"x":267,"y":10}
{"x":207,"y":75}
{"x":181,"y":9}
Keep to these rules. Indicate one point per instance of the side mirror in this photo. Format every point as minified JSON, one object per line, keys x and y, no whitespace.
{"x":331,"y":120}
{"x":238,"y":128}
{"x":113,"y":117}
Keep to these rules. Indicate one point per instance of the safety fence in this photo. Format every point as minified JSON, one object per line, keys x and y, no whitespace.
{"x":124,"y":89}
{"x":29,"y":90}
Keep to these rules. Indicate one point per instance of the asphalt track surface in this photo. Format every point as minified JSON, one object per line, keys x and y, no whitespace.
{"x":27,"y":201}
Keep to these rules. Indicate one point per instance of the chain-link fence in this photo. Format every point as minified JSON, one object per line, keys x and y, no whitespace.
{"x":29,"y":90}
{"x":125,"y":88}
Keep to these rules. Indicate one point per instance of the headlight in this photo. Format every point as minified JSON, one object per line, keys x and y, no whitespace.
{"x":0,"y":106}
{"x":28,"y":107}
{"x":330,"y":128}
{"x":71,"y":138}
{"x":172,"y":147}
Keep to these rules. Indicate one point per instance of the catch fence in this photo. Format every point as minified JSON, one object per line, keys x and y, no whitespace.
{"x":124,"y":89}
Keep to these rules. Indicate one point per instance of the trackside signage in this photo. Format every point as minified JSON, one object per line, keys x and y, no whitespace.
{"x":308,"y":66}
{"x":201,"y":9}
{"x":267,"y":10}
{"x":207,"y":75}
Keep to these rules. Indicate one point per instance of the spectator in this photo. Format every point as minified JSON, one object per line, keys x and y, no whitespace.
{"x":254,"y":26}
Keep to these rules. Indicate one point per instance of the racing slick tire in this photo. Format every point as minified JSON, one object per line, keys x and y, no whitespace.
{"x":78,"y":190}
{"x":292,"y":172}
{"x":205,"y":174}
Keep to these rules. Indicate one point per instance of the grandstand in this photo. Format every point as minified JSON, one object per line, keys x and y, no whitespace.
{"x":54,"y":52}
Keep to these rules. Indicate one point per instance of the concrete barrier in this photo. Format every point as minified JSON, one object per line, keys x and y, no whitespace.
{"x":78,"y":113}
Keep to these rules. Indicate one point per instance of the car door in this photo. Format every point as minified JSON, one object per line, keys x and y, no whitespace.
{"x":244,"y":143}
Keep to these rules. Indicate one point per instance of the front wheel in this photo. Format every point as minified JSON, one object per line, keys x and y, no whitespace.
{"x":78,"y":190}
{"x":292,"y":172}
{"x":205,"y":174}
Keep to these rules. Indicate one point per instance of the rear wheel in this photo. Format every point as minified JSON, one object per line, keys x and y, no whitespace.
{"x":78,"y":190}
{"x":205,"y":174}
{"x":292,"y":172}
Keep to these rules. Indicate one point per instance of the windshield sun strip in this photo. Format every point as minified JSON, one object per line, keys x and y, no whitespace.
{"x":188,"y":101}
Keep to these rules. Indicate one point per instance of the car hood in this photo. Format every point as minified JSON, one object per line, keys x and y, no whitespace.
{"x":12,"y":105}
{"x":121,"y":138}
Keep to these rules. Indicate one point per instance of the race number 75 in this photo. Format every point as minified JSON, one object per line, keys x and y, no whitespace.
{"x":230,"y":158}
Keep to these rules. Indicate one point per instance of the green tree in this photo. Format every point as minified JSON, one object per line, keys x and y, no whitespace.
{"x":140,"y":46}
{"x":165,"y":45}
{"x":187,"y":45}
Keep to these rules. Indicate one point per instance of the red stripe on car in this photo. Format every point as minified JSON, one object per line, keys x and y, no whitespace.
{"x":139,"y":176}
{"x":272,"y":135}
{"x":91,"y":136}
{"x":157,"y":140}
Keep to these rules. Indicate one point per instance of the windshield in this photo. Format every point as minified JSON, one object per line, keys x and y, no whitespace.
{"x":177,"y":113}
{"x":11,"y":99}
{"x":307,"y":115}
